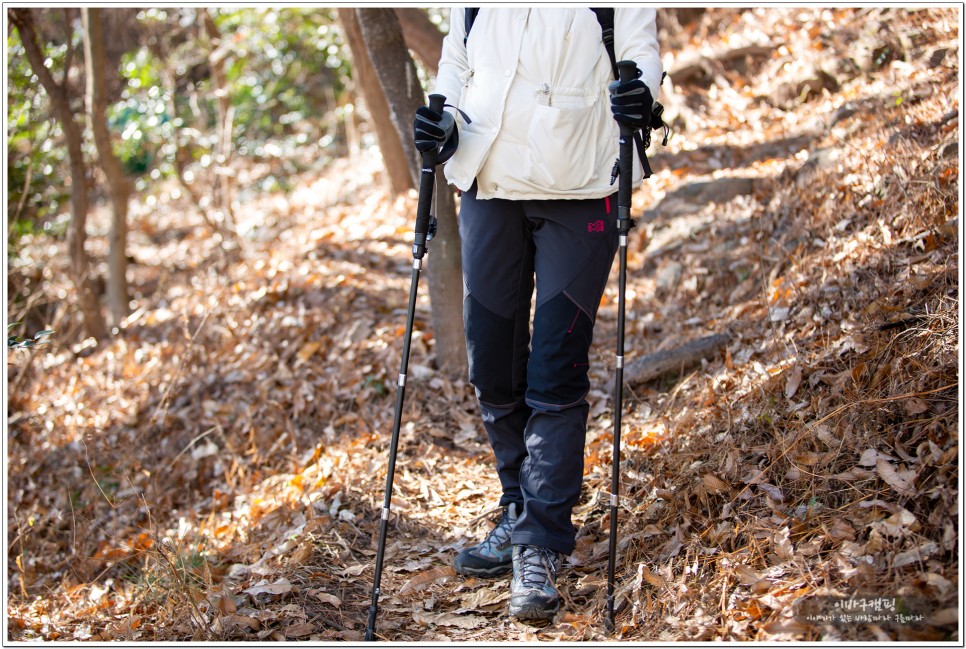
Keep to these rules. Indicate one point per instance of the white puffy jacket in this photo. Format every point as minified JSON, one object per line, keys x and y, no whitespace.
{"x":534,"y":85}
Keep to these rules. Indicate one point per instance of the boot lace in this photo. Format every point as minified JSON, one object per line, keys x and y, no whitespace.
{"x":539,"y":567}
{"x":499,"y":535}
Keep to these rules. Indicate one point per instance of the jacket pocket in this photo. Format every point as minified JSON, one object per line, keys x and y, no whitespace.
{"x":562,"y":145}
{"x":462,"y":168}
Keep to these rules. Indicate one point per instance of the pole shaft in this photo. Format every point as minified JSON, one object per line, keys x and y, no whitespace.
{"x":427,"y":181}
{"x":624,"y":190}
{"x":618,"y":410}
{"x":393,"y":446}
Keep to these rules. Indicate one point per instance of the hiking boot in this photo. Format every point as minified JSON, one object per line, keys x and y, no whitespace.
{"x":493,"y":555}
{"x":533,"y":593}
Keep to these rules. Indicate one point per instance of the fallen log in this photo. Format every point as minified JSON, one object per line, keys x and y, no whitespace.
{"x":659,"y":364}
{"x":696,"y":69}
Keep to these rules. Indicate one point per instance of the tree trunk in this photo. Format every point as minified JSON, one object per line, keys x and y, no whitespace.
{"x":444,"y":267}
{"x":422,"y":37}
{"x":118,"y":185}
{"x":365,"y":79}
{"x":397,"y":76}
{"x":217,"y":52}
{"x":87,"y":300}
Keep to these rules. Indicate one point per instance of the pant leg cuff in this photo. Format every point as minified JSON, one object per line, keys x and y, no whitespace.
{"x":542,"y":541}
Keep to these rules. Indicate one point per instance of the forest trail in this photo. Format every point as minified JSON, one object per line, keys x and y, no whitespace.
{"x":216,"y":472}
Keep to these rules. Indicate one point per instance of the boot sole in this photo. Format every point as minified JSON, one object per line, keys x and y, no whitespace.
{"x":534,"y":612}
{"x":484,"y":572}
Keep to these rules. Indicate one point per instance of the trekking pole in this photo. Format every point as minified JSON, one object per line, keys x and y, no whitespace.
{"x":624,"y":224}
{"x":423,"y":234}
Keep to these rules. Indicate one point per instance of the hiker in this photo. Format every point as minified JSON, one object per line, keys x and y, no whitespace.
{"x":532,"y":147}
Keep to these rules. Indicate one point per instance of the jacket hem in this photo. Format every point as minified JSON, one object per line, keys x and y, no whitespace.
{"x":527,"y":195}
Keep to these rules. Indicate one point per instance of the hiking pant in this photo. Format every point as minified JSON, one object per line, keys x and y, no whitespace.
{"x":532,"y":389}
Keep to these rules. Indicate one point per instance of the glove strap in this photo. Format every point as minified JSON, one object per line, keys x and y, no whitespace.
{"x":466,"y":118}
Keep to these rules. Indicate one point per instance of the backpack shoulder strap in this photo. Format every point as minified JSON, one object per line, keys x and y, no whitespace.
{"x":469,"y":15}
{"x":605,"y":16}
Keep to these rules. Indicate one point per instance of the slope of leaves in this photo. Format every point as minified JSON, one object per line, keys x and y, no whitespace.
{"x":216,"y":471}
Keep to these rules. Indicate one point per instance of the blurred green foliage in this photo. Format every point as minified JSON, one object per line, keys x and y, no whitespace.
{"x":140,"y":117}
{"x":286,"y":66}
{"x":36,"y":159}
{"x":286,"y":71}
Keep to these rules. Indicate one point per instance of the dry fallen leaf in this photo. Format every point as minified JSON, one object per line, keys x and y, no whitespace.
{"x":242,"y":622}
{"x":915,"y":406}
{"x":773,"y":492}
{"x":302,"y":553}
{"x":899,"y":524}
{"x":653,"y":578}
{"x":354,"y":571}
{"x":326,"y":598}
{"x":841,"y":530}
{"x":783,"y":545}
{"x":123,"y":629}
{"x":714,"y":484}
{"x":869,"y":457}
{"x":794,"y":380}
{"x":226,"y":605}
{"x":747,"y":575}
{"x":450,"y":619}
{"x":280,"y":587}
{"x":577,"y":619}
{"x":483,"y":597}
{"x":892,"y":478}
{"x":855,"y":473}
{"x":946,"y":616}
{"x":306,"y":352}
{"x":807,"y":459}
{"x":427,"y":578}
{"x":788,"y":628}
{"x":299,"y":630}
{"x":920,"y":553}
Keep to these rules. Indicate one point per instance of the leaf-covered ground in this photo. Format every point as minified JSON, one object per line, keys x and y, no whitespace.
{"x":216,"y":471}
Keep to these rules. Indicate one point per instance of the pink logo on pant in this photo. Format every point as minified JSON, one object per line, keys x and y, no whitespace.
{"x":596,"y":226}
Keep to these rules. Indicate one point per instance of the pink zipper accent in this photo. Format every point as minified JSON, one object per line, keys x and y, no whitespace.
{"x":607,"y":203}
{"x":571,"y":330}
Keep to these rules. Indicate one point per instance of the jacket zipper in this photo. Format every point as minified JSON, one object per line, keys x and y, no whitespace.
{"x":544,"y":90}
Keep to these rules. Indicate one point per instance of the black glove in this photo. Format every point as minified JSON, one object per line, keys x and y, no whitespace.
{"x":631,"y":102}
{"x":432,"y":130}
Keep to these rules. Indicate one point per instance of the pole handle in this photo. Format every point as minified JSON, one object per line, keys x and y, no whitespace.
{"x":626,"y":70}
{"x":436,"y":103}
{"x":427,"y":178}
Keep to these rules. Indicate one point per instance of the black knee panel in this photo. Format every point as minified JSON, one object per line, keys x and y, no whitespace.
{"x":493,"y":353}
{"x":559,"y":359}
